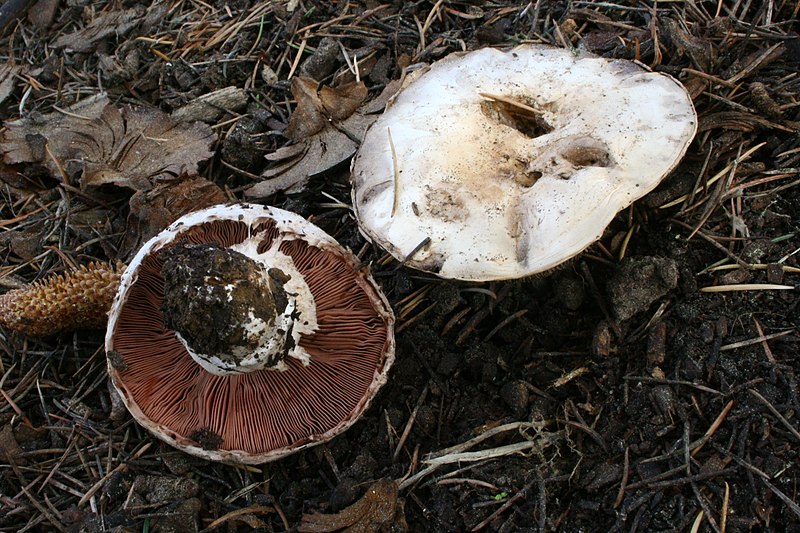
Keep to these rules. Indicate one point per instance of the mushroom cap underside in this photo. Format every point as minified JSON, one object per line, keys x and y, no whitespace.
{"x":496,"y":165}
{"x":261,"y":415}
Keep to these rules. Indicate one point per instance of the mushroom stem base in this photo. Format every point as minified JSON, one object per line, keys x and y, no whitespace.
{"x":225,"y":307}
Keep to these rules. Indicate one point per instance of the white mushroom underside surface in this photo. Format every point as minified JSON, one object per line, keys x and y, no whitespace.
{"x":447,"y":187}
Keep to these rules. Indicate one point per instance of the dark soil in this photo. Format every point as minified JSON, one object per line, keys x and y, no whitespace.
{"x":626,"y":398}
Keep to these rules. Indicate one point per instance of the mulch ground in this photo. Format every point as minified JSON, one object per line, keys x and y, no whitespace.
{"x":615,"y":394}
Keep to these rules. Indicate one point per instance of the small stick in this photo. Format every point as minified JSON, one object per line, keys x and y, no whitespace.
{"x":410,"y":424}
{"x":624,"y":482}
{"x":396,"y":171}
{"x":713,"y":428}
{"x":775,"y":412}
{"x":738,"y":287}
{"x":511,"y":501}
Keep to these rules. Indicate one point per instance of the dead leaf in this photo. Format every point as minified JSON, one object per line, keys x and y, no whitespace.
{"x":42,"y":13}
{"x":210,"y":107}
{"x":334,"y":122}
{"x":103,"y":25}
{"x":8,"y":79}
{"x":26,"y":241}
{"x":154,"y":210}
{"x":99,"y":143}
{"x":10,"y":449}
{"x":317,"y":105}
{"x":307,"y":118}
{"x":378,"y":510}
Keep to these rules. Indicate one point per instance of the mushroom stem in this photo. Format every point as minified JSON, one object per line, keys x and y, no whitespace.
{"x":232,"y":313}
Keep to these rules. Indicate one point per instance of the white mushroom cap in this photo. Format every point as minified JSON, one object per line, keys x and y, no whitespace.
{"x":497,"y":165}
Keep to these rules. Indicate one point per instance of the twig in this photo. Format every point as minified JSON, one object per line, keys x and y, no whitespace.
{"x":410,"y":423}
{"x":775,"y":412}
{"x":511,"y":501}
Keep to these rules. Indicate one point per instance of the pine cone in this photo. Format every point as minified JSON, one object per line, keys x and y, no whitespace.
{"x":64,"y":302}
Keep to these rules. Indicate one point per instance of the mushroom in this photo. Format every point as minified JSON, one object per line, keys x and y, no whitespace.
{"x":243,"y":333}
{"x":495,"y":165}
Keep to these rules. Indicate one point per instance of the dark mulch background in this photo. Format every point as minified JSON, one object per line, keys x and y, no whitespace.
{"x":682,"y":416}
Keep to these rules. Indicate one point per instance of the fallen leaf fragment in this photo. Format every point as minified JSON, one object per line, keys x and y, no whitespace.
{"x":65,"y":302}
{"x":99,"y":143}
{"x":318,"y":104}
{"x":8,"y":78}
{"x":10,"y":450}
{"x":210,"y":107}
{"x":105,"y":24}
{"x":151,"y":211}
{"x":327,"y":128}
{"x":378,"y":510}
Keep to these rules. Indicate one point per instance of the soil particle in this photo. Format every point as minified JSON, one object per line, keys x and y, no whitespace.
{"x":323,"y":61}
{"x":162,"y":489}
{"x":515,"y":395}
{"x":364,"y":466}
{"x":570,"y":291}
{"x":344,"y":494}
{"x":639,"y":282}
{"x":448,"y":364}
{"x":240,"y":149}
{"x":447,"y":297}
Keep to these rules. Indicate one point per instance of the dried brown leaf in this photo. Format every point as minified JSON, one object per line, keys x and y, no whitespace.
{"x":10,"y":450}
{"x":151,"y":211}
{"x":317,"y":105}
{"x":26,"y":241}
{"x":307,"y":118}
{"x":131,"y":147}
{"x":323,"y":151}
{"x":103,"y":25}
{"x":341,"y":102}
{"x":329,"y":146}
{"x":8,"y":79}
{"x":378,"y":510}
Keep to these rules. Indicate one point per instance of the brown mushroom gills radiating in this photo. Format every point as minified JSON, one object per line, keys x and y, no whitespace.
{"x":265,"y":409}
